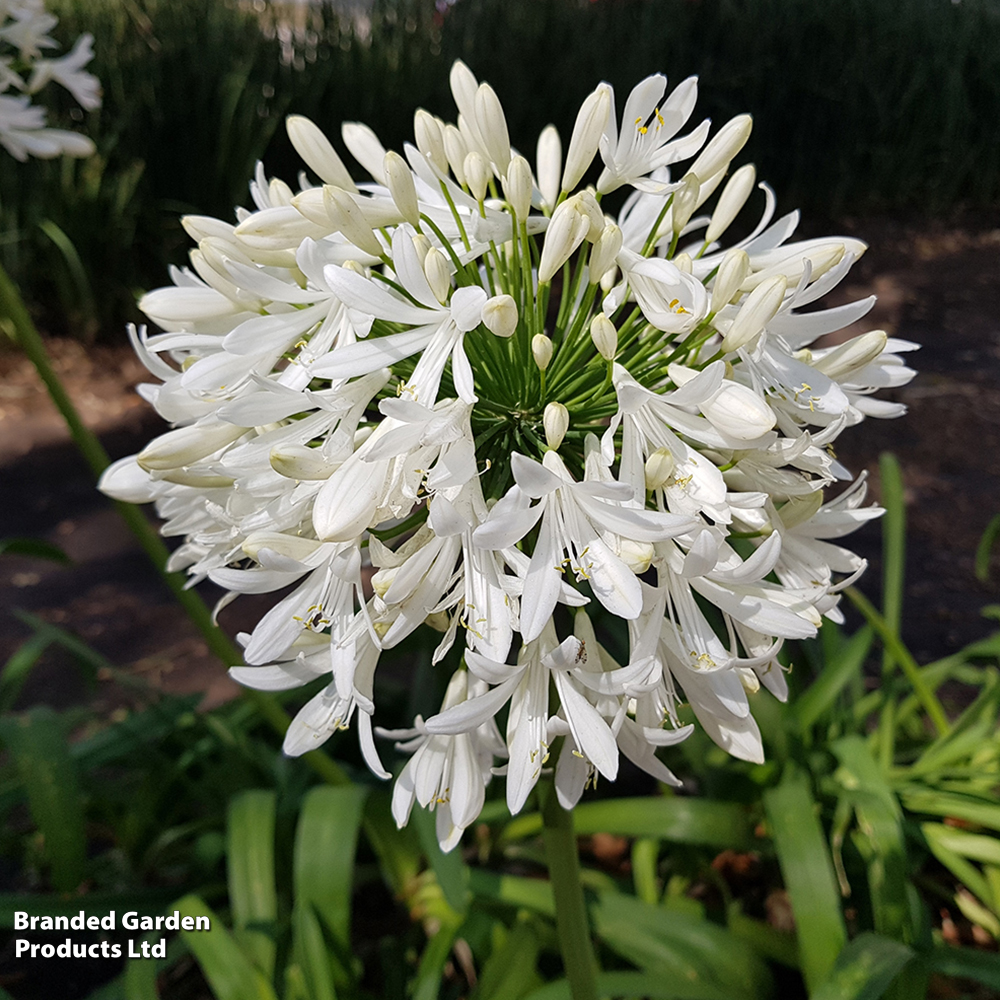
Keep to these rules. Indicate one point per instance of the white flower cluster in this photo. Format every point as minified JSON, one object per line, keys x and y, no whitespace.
{"x":465,"y":374}
{"x":24,"y":33}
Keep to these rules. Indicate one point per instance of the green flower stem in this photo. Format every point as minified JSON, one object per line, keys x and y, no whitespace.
{"x":577,"y":950}
{"x":96,"y":457}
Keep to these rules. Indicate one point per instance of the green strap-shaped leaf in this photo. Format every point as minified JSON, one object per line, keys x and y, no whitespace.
{"x":38,"y":745}
{"x":36,"y":548}
{"x":837,"y":673}
{"x":139,"y":981}
{"x":880,"y":836}
{"x":18,"y":667}
{"x":514,"y":890}
{"x":227,"y":969}
{"x":681,"y":948}
{"x":964,"y":963}
{"x":430,"y":971}
{"x":252,"y":892}
{"x":450,"y":869}
{"x":325,"y":843}
{"x":919,"y":799}
{"x":864,"y":969}
{"x":509,"y":972}
{"x":809,"y":877}
{"x":311,"y":954}
{"x":681,"y":820}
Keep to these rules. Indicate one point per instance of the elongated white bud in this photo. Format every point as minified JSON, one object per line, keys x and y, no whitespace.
{"x":589,"y":206}
{"x":438,"y":274}
{"x":456,"y":149}
{"x":731,"y":201}
{"x":493,"y":127}
{"x":685,"y":202}
{"x":567,"y":229}
{"x":317,"y":152}
{"x":422,"y":245}
{"x":357,"y":267}
{"x":427,"y":132}
{"x":726,"y":143}
{"x":738,"y":411}
{"x":555,"y":420}
{"x":349,"y":218}
{"x":541,"y":350}
{"x":731,"y":274}
{"x":500,"y":315}
{"x":683,"y":263}
{"x":820,"y":258}
{"x":399,"y":180}
{"x":591,"y":121}
{"x":476,"y":175}
{"x":187,"y":445}
{"x":605,"y":252}
{"x":659,"y":468}
{"x":604,"y":336}
{"x":855,"y":354}
{"x":757,"y":310}
{"x":548,"y":161}
{"x":517,"y":186}
{"x":296,"y":462}
{"x":609,"y":279}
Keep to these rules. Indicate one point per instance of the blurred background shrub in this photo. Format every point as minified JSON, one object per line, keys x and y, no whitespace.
{"x":859,"y":105}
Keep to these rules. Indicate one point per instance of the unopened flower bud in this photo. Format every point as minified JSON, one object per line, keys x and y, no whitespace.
{"x":317,"y":152}
{"x":299,"y":463}
{"x":586,"y":139}
{"x":548,"y":160}
{"x":731,"y":274}
{"x":855,"y":354}
{"x":731,"y":201}
{"x":683,"y":263}
{"x":457,"y":150}
{"x":726,"y":143}
{"x":422,"y":245}
{"x":820,"y":260}
{"x":346,"y":214}
{"x":604,"y":336}
{"x":399,"y":180}
{"x":605,"y":252}
{"x":357,"y":267}
{"x":500,"y":315}
{"x":517,"y":186}
{"x":609,"y":279}
{"x":541,"y":350}
{"x":659,"y":468}
{"x":567,"y":229}
{"x":588,"y":205}
{"x":757,"y":310}
{"x":189,"y":444}
{"x":476,"y":174}
{"x":685,"y":202}
{"x":493,"y":127}
{"x":427,"y":132}
{"x":438,"y":274}
{"x":555,"y":420}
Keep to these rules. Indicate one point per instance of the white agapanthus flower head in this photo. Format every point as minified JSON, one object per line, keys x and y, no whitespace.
{"x":458,"y":395}
{"x":24,"y":36}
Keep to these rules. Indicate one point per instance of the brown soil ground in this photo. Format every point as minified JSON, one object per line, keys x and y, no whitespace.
{"x":937,"y":285}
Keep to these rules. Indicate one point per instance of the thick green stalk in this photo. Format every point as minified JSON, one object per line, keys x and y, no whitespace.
{"x":572,"y":928}
{"x":97,"y":458}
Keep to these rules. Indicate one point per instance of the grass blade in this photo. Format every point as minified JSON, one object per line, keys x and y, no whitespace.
{"x":864,"y":969}
{"x":38,"y":745}
{"x":808,"y":872}
{"x":984,"y":550}
{"x":228,"y":971}
{"x":252,"y":893}
{"x":835,"y":676}
{"x":325,"y":843}
{"x":681,"y":820}
{"x":680,"y":948}
{"x":18,"y":667}
{"x":964,"y":963}
{"x":36,"y":548}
